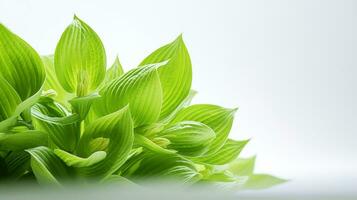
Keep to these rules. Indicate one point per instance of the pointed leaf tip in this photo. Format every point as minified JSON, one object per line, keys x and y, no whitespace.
{"x":80,"y":61}
{"x":175,"y":76}
{"x":75,"y":17}
{"x":233,"y":110}
{"x":117,"y":58}
{"x":180,"y":37}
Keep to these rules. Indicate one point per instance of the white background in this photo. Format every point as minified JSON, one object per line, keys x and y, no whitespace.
{"x":289,"y":65}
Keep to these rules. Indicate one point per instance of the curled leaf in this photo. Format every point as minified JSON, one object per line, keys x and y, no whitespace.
{"x":118,"y":129}
{"x":189,"y":138}
{"x":47,"y":167}
{"x":75,"y":161}
{"x":217,"y":118}
{"x":150,"y":145}
{"x":63,"y":128}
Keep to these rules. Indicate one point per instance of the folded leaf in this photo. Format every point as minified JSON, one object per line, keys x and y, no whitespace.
{"x":217,"y":118}
{"x":118,"y":129}
{"x":140,"y":88}
{"x":176,"y":77}
{"x":189,"y":138}
{"x":63,"y":129}
{"x":80,"y":59}
{"x":150,"y":145}
{"x":82,"y":105}
{"x":23,"y":140}
{"x":20,"y":65}
{"x":47,"y":167}
{"x":229,"y":152}
{"x":75,"y":161}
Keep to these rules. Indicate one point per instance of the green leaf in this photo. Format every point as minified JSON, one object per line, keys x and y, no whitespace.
{"x":115,"y":71}
{"x":221,"y":176}
{"x":140,"y":88}
{"x":80,"y":59}
{"x":150,"y":145}
{"x":47,"y":167}
{"x":163,"y":166}
{"x":75,"y":161}
{"x":20,"y":65}
{"x":9,"y":99}
{"x":262,"y":181}
{"x":186,"y":102}
{"x":242,"y":166}
{"x":51,"y":82}
{"x":82,"y":105}
{"x":152,"y":129}
{"x":63,"y":128}
{"x":217,"y":118}
{"x":23,"y":140}
{"x":189,"y":138}
{"x":17,"y":164}
{"x":229,"y":152}
{"x":176,"y":77}
{"x":118,"y":129}
{"x":3,"y":168}
{"x":25,"y":105}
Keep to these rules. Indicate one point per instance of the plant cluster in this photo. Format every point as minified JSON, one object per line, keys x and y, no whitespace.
{"x":66,"y":118}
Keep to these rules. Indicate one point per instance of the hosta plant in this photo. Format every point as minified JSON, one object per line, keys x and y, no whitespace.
{"x":67,"y":118}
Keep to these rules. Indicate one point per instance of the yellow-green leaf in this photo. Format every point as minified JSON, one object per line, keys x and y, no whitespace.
{"x":176,"y":76}
{"x":23,"y":140}
{"x":115,"y":71}
{"x":119,"y":130}
{"x":47,"y":167}
{"x":217,"y":118}
{"x":62,"y":127}
{"x":229,"y":152}
{"x":75,"y":161}
{"x":80,"y":59}
{"x":20,"y":64}
{"x":9,"y":99}
{"x":51,"y":82}
{"x":189,"y":138}
{"x":140,"y":88}
{"x":262,"y":181}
